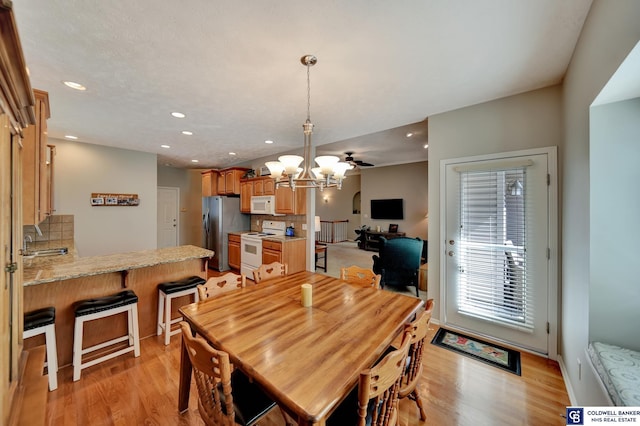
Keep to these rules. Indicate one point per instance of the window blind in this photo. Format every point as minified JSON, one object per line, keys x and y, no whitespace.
{"x":493,"y":247}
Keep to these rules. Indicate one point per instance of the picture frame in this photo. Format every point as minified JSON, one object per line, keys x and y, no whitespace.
{"x":393,"y":227}
{"x":97,"y":201}
{"x":264,"y":171}
{"x":112,"y":201}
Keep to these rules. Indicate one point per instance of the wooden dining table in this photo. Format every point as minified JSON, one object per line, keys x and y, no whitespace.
{"x":307,"y":359}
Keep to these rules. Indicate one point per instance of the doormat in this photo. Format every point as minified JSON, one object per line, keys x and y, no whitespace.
{"x":498,"y":356}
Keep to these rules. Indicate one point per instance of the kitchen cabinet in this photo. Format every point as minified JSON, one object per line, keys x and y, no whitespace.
{"x":246,"y":191}
{"x":16,"y":113}
{"x":264,"y":186}
{"x":291,"y":202}
{"x":291,"y":252}
{"x":229,"y":180}
{"x":210,"y":183}
{"x":234,"y":251}
{"x":36,"y":201}
{"x":254,"y":186}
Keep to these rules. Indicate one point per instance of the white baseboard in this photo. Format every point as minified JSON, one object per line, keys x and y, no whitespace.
{"x":567,"y":382}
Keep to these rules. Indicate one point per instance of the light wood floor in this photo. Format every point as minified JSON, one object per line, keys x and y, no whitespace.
{"x":456,"y":391}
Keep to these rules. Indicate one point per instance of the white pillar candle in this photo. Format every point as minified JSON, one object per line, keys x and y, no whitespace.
{"x":306,"y":295}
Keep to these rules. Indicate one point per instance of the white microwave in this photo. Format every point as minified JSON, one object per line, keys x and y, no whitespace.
{"x":263,"y":204}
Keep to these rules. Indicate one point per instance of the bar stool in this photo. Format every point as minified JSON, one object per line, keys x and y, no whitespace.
{"x":166,"y":293}
{"x":321,"y":249}
{"x":93,"y":309}
{"x":43,"y":321}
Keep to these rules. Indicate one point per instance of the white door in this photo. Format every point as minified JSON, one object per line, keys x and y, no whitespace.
{"x":168,"y":201}
{"x":497,"y":246}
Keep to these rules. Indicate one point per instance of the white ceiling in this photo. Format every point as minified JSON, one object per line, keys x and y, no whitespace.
{"x":234,"y":69}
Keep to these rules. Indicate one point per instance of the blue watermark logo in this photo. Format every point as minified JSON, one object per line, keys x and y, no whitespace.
{"x":575,"y":416}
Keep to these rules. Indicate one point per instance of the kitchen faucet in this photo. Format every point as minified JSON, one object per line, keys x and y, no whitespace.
{"x":27,"y":239}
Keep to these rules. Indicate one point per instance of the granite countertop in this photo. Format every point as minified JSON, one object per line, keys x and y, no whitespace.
{"x":282,"y":238}
{"x":41,"y":270}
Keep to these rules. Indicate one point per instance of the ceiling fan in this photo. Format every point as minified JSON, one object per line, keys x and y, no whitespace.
{"x":356,"y":163}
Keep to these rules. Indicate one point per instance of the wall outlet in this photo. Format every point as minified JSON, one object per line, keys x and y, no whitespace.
{"x":304,"y":226}
{"x":258,"y":222}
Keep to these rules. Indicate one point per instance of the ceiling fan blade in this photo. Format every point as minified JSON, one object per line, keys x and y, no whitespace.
{"x":365,"y":164}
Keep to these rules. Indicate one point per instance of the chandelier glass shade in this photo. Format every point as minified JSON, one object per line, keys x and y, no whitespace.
{"x":294,"y":171}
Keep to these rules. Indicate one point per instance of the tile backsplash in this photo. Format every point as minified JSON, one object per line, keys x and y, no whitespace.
{"x":297,"y":221}
{"x":53,"y":228}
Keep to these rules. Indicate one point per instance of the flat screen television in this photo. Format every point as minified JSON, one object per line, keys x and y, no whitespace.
{"x":390,"y":208}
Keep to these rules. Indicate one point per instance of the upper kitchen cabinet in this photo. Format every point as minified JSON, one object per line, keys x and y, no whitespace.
{"x":255,"y":186}
{"x":229,"y":180}
{"x":291,"y":202}
{"x":37,"y":181}
{"x":264,"y":186}
{"x":210,"y":183}
{"x":246,"y":191}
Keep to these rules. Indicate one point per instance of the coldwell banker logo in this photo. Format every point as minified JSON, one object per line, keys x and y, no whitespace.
{"x":575,"y":416}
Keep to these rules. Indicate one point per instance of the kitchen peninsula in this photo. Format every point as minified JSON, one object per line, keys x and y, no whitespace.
{"x":60,"y":281}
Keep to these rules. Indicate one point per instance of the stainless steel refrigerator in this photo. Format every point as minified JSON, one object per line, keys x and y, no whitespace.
{"x":220,"y":215}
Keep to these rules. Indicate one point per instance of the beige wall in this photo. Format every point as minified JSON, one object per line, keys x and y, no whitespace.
{"x":406,"y":181}
{"x":334,"y":204}
{"x":610,"y":32}
{"x":81,"y":169}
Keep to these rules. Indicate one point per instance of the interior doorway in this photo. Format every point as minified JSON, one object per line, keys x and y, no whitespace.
{"x":168,"y":217}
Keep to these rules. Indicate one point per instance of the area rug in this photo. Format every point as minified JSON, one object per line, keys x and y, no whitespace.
{"x":506,"y":359}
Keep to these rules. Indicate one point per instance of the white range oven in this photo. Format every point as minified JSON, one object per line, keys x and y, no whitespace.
{"x":251,"y":245}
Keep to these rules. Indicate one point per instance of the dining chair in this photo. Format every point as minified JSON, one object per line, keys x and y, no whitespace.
{"x":221,"y":284}
{"x":375,"y":401}
{"x":225,"y":396}
{"x":361,"y":276}
{"x":413,"y":371}
{"x":269,"y":271}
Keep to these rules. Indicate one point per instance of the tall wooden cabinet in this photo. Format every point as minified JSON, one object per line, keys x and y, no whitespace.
{"x":16,"y":113}
{"x":229,"y":180}
{"x":37,"y":181}
{"x":210,"y":183}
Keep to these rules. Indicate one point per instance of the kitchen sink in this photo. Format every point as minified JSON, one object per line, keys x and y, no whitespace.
{"x":47,"y":252}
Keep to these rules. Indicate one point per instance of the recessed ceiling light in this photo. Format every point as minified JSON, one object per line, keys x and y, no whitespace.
{"x":178,"y":114}
{"x":194,"y":161}
{"x":268,"y":141}
{"x":71,"y":137}
{"x":74,"y":85}
{"x":186,"y":132}
{"x":409,"y":134}
{"x":426,"y":145}
{"x":232,"y":153}
{"x":165,"y":146}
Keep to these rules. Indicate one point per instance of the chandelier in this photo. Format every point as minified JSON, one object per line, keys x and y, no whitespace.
{"x":287,"y":171}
